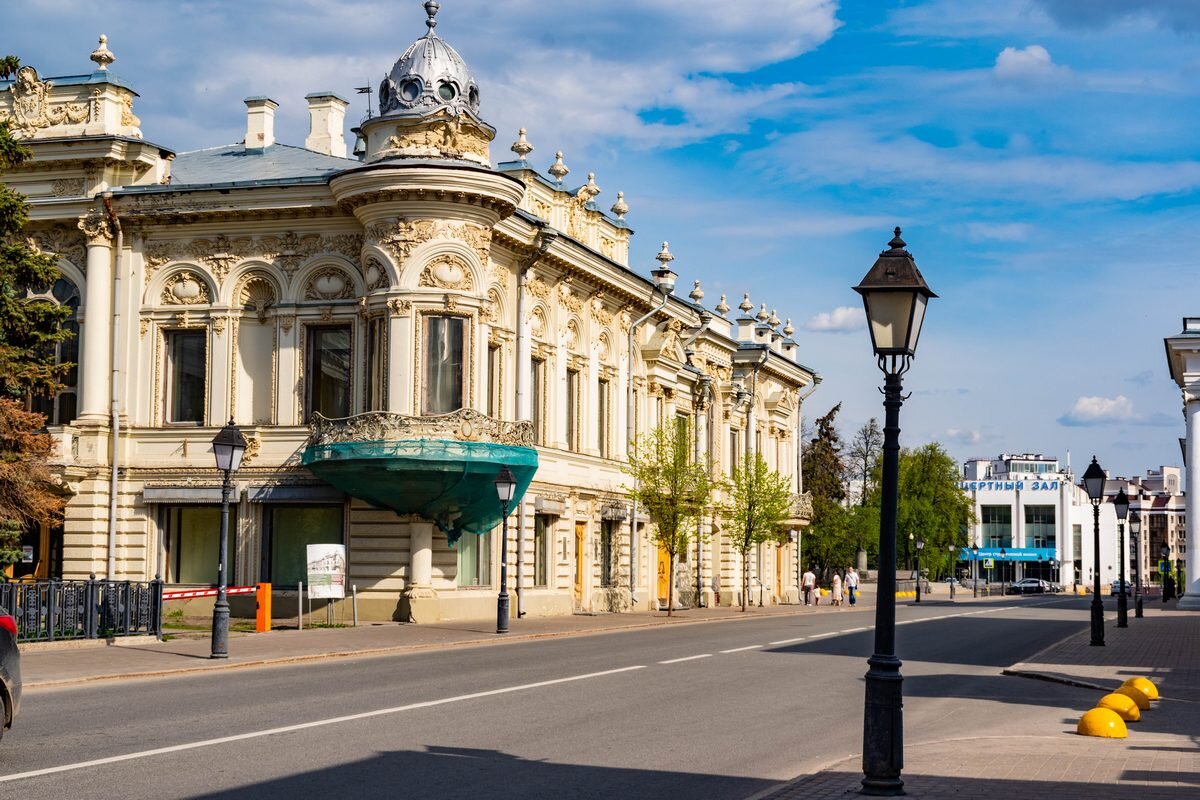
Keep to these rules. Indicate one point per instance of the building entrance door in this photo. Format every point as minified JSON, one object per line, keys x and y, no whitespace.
{"x":664,"y":576}
{"x":580,"y":534}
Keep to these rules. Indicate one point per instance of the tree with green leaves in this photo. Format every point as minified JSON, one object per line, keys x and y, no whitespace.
{"x":29,"y":330}
{"x":931,"y":506}
{"x":760,"y":501}
{"x":673,"y":487}
{"x":829,"y":541}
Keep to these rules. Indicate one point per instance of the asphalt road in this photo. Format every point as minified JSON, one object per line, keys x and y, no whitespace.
{"x":716,"y":710}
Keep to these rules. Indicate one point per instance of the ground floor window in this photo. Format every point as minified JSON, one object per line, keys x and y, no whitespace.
{"x":541,"y":550}
{"x":607,"y":549}
{"x":288,"y":530}
{"x":474,"y":559}
{"x":191,"y":537}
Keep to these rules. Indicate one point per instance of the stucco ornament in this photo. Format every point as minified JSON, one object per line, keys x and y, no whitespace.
{"x":446,"y":272}
{"x":329,"y":284}
{"x":257,"y":294}
{"x":380,"y":426}
{"x":96,"y":227}
{"x":401,"y":238}
{"x":185,"y":289}
{"x":31,"y":108}
{"x":288,"y":251}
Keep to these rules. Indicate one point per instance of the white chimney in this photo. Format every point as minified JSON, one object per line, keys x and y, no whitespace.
{"x":260,"y":122}
{"x":326,"y":124}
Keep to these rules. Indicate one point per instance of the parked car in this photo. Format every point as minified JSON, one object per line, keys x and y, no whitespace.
{"x":1055,"y":587}
{"x":10,"y":672}
{"x":1116,"y":587}
{"x":1028,"y":586}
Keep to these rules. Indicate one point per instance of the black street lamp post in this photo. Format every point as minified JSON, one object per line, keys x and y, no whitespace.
{"x":953,"y":570}
{"x":1093,"y":484}
{"x":1135,"y":531}
{"x":1003,"y":574}
{"x":506,"y":486}
{"x":920,"y":547}
{"x":1121,"y":506}
{"x":894,"y":296}
{"x":1165,"y":564}
{"x":975,"y":562}
{"x":228,"y":446}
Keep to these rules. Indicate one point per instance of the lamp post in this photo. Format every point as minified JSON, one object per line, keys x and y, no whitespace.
{"x":894,"y":296}
{"x":506,"y":486}
{"x":1003,"y":574}
{"x":664,"y":282}
{"x":1165,"y":567}
{"x":228,"y":446}
{"x":1135,"y":531}
{"x":975,"y":563}
{"x":953,"y":570}
{"x":920,"y":547}
{"x":1093,"y":484}
{"x":1121,"y":506}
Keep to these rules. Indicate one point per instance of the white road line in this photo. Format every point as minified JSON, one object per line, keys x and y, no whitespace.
{"x":823,"y":635}
{"x":790,"y":641}
{"x":740,"y":649}
{"x":686,"y":658}
{"x":907,"y":621}
{"x":306,"y":725}
{"x":854,"y":630}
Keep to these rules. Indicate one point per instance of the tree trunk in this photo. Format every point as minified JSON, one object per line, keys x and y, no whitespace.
{"x":745,"y":577}
{"x":670,"y":583}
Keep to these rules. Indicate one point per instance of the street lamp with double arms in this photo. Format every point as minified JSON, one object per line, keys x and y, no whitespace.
{"x":1135,"y":530}
{"x":1121,"y":506}
{"x":1093,"y":484}
{"x":506,"y":486}
{"x":894,"y":296}
{"x":228,"y":446}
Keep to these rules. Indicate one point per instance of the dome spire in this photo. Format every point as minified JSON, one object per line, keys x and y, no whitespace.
{"x":431,"y":8}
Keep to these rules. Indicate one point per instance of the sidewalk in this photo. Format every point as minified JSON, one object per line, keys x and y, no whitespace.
{"x":77,"y":662}
{"x":1160,"y":759}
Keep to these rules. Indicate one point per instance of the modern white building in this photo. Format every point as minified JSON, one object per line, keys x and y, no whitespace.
{"x":388,"y":328}
{"x":1183,"y":360}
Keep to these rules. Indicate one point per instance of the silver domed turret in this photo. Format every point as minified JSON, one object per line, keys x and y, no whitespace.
{"x":430,"y":76}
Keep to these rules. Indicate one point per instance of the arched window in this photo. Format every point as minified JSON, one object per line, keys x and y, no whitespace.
{"x":60,"y":408}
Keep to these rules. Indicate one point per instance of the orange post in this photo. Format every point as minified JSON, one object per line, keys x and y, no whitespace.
{"x":262,"y":598}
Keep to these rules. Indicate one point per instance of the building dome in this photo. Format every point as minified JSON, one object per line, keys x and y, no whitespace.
{"x":431,"y":76}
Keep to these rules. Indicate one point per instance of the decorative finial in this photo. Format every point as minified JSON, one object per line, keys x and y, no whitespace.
{"x":620,"y":208}
{"x":521,"y":146}
{"x":102,"y":55}
{"x":762,"y":315}
{"x":558,"y":170}
{"x":722,"y":307}
{"x":774,"y":320}
{"x":746,"y":306}
{"x":697,"y":294}
{"x":788,"y":330}
{"x":897,"y":243}
{"x":431,"y":8}
{"x":591,"y":189}
{"x":664,"y":256}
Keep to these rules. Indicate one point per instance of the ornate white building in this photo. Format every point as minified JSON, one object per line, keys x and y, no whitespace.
{"x":387,"y":330}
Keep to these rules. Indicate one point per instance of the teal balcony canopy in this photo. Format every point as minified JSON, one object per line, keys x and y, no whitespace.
{"x":441,"y":468}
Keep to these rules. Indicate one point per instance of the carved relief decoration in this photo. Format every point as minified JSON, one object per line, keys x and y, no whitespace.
{"x":537,"y":323}
{"x":185,"y":289}
{"x":96,"y":227}
{"x":375,"y":274}
{"x":257,"y":294}
{"x":446,"y":272}
{"x":571,"y":335}
{"x":286,"y":251}
{"x":67,"y":187}
{"x":404,"y":236}
{"x":31,"y":109}
{"x":329,"y":284}
{"x":491,"y":310}
{"x":541,"y":209}
{"x":399,"y":307}
{"x":538,"y":288}
{"x":570,"y":299}
{"x":66,"y":242}
{"x":218,"y":325}
{"x":128,"y":119}
{"x":443,"y":136}
{"x":253,"y":446}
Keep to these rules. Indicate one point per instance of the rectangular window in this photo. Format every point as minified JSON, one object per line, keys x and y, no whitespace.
{"x":602,"y":417}
{"x":541,"y":550}
{"x":191,"y":535}
{"x":536,"y":386}
{"x":607,"y":550}
{"x":572,"y":409}
{"x":288,"y":532}
{"x":493,"y":404}
{"x":474,"y":559}
{"x":735,"y":452}
{"x":997,"y":525}
{"x":376,"y":361}
{"x":1039,"y":526}
{"x":187,"y":360}
{"x":328,"y":371}
{"x":444,"y":350}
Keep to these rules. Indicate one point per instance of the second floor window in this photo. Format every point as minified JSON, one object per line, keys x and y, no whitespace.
{"x":187,"y":357}
{"x":536,"y":385}
{"x":328,"y":370}
{"x":602,"y":395}
{"x":376,"y":369}
{"x":572,"y":409}
{"x":443,"y":364}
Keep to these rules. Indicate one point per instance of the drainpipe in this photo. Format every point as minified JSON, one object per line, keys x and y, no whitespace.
{"x":545,"y":237}
{"x":115,"y":457}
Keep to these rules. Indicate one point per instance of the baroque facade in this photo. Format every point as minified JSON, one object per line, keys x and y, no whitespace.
{"x":386,"y":329}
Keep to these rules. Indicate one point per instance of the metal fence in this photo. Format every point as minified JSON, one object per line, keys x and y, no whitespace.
{"x":49,"y":611}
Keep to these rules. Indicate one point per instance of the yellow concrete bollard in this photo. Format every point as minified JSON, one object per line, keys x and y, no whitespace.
{"x":1124,"y":705}
{"x":1102,"y":722}
{"x":1137,"y":695}
{"x":1146,"y":686}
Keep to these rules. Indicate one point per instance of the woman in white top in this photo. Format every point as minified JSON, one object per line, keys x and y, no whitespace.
{"x":837,"y":589}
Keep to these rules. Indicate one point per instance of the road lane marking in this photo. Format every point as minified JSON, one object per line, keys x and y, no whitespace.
{"x":178,"y":748}
{"x":854,"y":630}
{"x":740,"y":649}
{"x":823,"y":635}
{"x":686,"y":658}
{"x":790,"y":641}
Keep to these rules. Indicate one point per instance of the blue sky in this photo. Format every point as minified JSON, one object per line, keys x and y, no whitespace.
{"x":1041,"y":156}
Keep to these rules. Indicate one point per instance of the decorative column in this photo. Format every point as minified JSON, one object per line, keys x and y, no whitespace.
{"x":421,"y":597}
{"x":94,"y":362}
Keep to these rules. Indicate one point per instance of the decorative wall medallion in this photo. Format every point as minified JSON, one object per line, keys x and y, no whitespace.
{"x":186,"y":289}
{"x":399,"y":306}
{"x":31,"y":109}
{"x":329,"y":284}
{"x":446,"y":272}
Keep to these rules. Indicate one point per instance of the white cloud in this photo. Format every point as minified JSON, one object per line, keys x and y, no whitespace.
{"x":843,"y":319}
{"x":1099,"y":410}
{"x":1030,"y":65}
{"x":963,"y":436}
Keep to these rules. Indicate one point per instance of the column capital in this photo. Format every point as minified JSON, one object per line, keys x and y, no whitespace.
{"x":97,"y":227}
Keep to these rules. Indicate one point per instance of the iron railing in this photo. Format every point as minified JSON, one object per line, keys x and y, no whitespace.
{"x":54,"y":610}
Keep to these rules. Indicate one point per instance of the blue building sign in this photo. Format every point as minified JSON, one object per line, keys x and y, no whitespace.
{"x":1045,"y":554}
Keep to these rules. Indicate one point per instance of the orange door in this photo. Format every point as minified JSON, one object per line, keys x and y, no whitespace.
{"x":664,"y":574}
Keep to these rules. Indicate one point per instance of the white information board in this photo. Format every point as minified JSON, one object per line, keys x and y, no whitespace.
{"x":326,"y":571}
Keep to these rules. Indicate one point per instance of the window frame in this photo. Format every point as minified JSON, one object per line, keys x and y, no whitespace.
{"x":483,"y":561}
{"x":169,"y":337}
{"x":310,"y":333}
{"x":267,"y":537}
{"x":543,"y":527}
{"x":426,"y":362}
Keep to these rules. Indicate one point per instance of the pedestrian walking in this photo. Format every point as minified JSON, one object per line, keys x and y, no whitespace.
{"x":809,"y":582}
{"x":837,"y":589}
{"x":852,"y":585}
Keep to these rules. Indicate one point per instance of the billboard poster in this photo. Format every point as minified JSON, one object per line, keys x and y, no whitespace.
{"x":326,"y":571}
